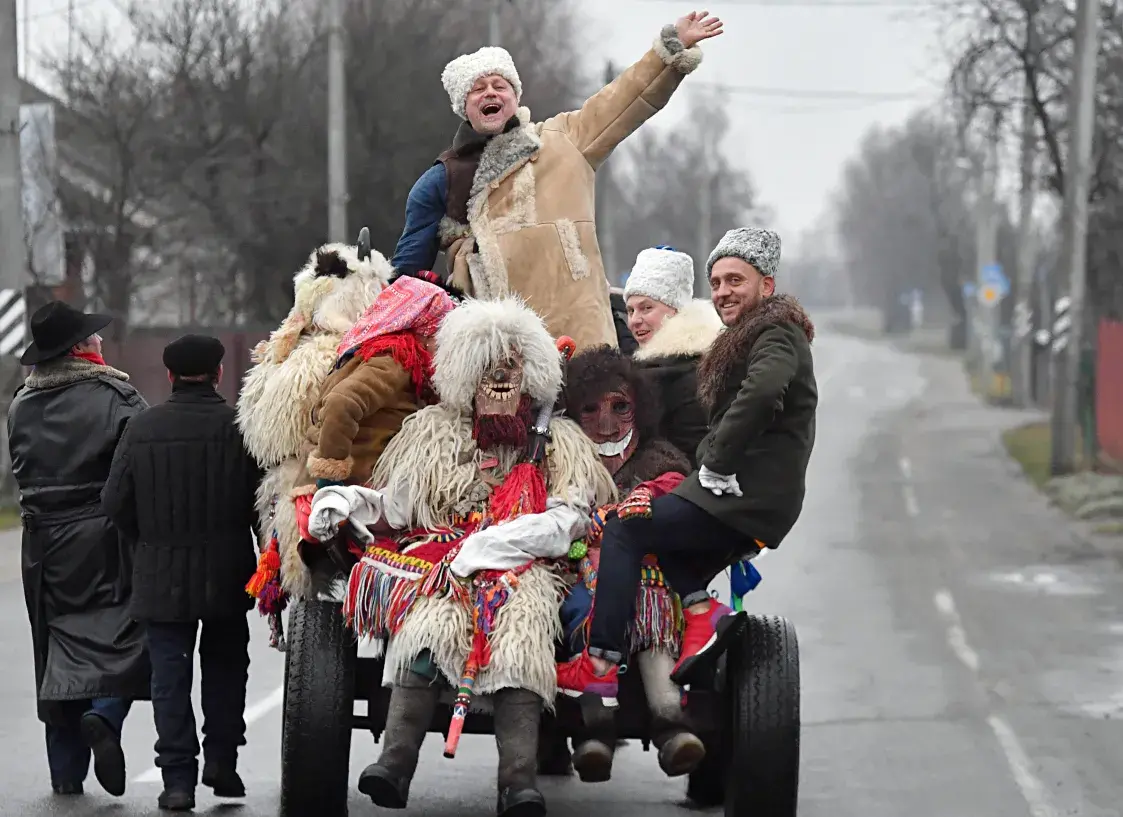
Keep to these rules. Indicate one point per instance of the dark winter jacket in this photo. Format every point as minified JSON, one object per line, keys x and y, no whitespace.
{"x":63,"y":427}
{"x":183,"y":484}
{"x":758,"y":383}
{"x":671,"y":360}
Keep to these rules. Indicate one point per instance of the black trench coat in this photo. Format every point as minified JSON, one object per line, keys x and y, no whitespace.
{"x":63,"y":427}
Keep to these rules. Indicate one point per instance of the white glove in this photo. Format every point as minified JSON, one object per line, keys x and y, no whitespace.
{"x":719,"y":483}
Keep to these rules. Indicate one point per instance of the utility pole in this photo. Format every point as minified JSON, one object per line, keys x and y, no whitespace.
{"x":1021,"y":371}
{"x":337,"y":127}
{"x":13,"y":252}
{"x":605,"y":210}
{"x":493,"y":36}
{"x":1082,"y":109}
{"x":986,"y":237}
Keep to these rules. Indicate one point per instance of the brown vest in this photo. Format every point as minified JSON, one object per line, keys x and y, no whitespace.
{"x":461,"y":161}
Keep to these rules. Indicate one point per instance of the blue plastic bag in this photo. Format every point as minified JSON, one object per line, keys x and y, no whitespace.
{"x":743,"y":579}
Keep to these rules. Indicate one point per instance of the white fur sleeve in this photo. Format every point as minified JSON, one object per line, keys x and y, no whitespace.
{"x":545,"y":535}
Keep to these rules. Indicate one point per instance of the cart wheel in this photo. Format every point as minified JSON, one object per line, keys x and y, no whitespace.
{"x":763,"y":690}
{"x":318,"y":712}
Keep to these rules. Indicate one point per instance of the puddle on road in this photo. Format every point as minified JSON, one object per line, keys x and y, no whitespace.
{"x":1048,"y":580}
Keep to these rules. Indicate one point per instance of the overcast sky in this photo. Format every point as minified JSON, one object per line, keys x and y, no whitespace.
{"x":847,"y":64}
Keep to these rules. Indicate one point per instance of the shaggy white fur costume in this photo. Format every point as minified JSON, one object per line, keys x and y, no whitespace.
{"x":280,"y":390}
{"x":434,"y":463}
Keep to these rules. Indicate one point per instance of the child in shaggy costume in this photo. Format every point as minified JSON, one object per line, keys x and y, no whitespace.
{"x":468,"y":592}
{"x":280,"y":390}
{"x":619,"y":410}
{"x":383,"y":375}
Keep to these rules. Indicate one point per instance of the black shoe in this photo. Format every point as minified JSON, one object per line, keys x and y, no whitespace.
{"x":224,"y":779}
{"x":383,"y":787}
{"x":593,"y":761}
{"x":67,"y":789}
{"x":176,"y":800}
{"x":109,"y":759}
{"x":521,"y":803}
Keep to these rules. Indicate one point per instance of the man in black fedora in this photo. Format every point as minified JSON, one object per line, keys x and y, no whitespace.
{"x":64,"y":424}
{"x":183,"y":484}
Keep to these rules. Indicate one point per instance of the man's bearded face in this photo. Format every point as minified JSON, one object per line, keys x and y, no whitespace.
{"x":502,"y":410}
{"x":610,"y":422}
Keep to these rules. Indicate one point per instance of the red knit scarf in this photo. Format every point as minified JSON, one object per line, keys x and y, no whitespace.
{"x":408,"y":352}
{"x":93,"y":357}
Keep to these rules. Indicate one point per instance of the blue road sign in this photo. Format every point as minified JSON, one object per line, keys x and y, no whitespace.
{"x":995,"y":277}
{"x":969,"y":289}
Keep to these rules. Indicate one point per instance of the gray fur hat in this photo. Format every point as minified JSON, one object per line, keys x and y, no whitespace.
{"x":753,"y":245}
{"x":664,"y":275}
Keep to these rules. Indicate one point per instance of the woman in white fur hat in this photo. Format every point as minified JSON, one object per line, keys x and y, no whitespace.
{"x":511,"y":201}
{"x":673,"y":330}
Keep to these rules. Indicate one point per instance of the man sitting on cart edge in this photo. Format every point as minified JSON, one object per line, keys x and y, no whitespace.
{"x":511,"y":201}
{"x":757,"y":381}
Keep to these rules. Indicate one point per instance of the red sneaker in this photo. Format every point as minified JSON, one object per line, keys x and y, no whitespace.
{"x":699,"y":637}
{"x":578,"y":677}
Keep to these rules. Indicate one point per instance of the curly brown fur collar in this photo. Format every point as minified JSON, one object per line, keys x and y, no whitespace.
{"x":734,"y":343}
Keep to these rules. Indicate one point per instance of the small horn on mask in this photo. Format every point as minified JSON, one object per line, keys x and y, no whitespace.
{"x":364,"y":244}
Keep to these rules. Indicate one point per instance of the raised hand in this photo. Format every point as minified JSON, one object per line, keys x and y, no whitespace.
{"x":696,"y":26}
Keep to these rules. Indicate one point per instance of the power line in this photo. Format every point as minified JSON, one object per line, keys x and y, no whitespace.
{"x":818,"y":94}
{"x":918,"y":5}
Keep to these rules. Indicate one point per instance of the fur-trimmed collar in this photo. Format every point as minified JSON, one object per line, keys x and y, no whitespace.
{"x":733,"y":344}
{"x":688,"y":333}
{"x":504,"y":151}
{"x":66,"y":370}
{"x":653,"y":457}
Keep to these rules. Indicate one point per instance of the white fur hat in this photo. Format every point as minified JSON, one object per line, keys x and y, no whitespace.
{"x":664,"y":275}
{"x":461,"y":74}
{"x":477,"y":335}
{"x":753,"y":245}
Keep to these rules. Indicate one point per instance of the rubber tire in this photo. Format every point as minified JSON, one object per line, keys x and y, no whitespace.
{"x":318,"y":712}
{"x":764,"y":692}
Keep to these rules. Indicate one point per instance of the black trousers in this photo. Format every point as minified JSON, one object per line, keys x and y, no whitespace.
{"x":692,"y":547}
{"x":224,"y":661}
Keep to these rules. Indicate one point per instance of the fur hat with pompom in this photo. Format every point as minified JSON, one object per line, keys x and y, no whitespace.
{"x":461,"y":74}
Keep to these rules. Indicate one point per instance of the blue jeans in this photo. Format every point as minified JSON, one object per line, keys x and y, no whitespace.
{"x":574,"y":611}
{"x":67,"y":753}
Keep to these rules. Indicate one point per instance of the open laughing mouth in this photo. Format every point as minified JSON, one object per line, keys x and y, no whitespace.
{"x":499,"y":391}
{"x":490,"y":108}
{"x":615,"y":449}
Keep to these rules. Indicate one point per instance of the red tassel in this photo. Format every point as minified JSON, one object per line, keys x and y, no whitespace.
{"x":268,"y":567}
{"x":522,"y":492}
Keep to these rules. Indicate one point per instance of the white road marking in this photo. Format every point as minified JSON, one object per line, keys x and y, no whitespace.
{"x":911,"y":505}
{"x":254,"y":713}
{"x":1021,"y":767}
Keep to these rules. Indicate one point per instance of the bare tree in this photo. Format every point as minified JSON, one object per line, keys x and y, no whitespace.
{"x":997,"y":63}
{"x":238,"y":96}
{"x":902,"y":218}
{"x":664,"y":177}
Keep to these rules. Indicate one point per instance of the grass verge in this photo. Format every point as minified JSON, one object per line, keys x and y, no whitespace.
{"x":1032,"y":446}
{"x":9,"y":518}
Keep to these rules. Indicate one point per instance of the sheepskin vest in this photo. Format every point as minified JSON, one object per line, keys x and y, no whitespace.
{"x":461,"y":161}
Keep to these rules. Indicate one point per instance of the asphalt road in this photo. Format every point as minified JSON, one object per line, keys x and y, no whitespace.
{"x":961,"y":653}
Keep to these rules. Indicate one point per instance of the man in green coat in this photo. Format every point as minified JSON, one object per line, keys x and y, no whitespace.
{"x":757,"y":382}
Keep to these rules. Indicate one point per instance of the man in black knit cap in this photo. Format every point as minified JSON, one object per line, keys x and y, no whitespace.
{"x":183,"y":484}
